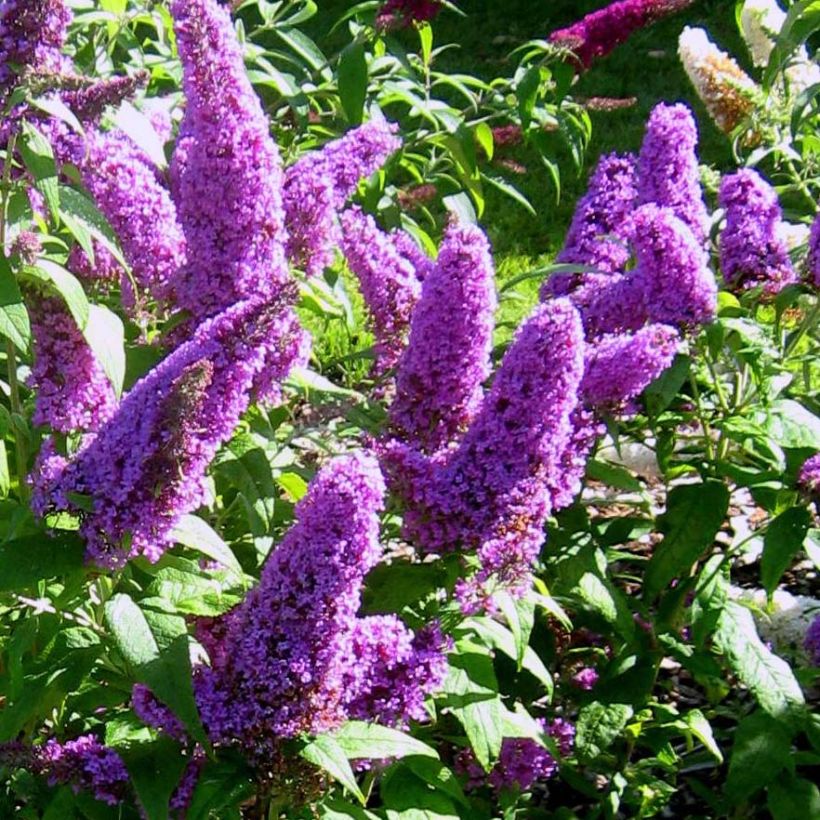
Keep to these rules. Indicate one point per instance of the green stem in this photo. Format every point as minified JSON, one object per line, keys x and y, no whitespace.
{"x":704,"y":422}
{"x":801,"y":185}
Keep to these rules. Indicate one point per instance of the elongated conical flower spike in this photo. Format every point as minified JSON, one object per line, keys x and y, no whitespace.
{"x":491,"y":495}
{"x":128,"y":192}
{"x":145,"y":468}
{"x":728,"y":93}
{"x":440,"y":376}
{"x":388,"y":282}
{"x":752,"y":249}
{"x":73,"y":391}
{"x":319,"y":184}
{"x":668,"y":166}
{"x":226,"y":171}
{"x":287,"y":645}
{"x":813,"y":259}
{"x":32,"y":32}
{"x":601,"y":226}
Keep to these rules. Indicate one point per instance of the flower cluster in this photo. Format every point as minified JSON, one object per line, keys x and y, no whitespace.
{"x":388,"y":280}
{"x":522,"y":762}
{"x":226,"y":171}
{"x":439,"y":379}
{"x":153,"y":713}
{"x":812,"y":641}
{"x":128,"y":192}
{"x":84,"y":764}
{"x":728,"y":93}
{"x":146,"y":466}
{"x":318,"y":185}
{"x":32,"y":33}
{"x":293,"y":656}
{"x":601,"y":31}
{"x":809,"y":478}
{"x":752,"y":249}
{"x":403,"y":13}
{"x":73,"y":391}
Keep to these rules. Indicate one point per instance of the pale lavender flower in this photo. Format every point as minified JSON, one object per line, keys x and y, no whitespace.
{"x":145,"y":468}
{"x":73,"y":391}
{"x":388,"y":282}
{"x":668,"y":173}
{"x":440,"y":375}
{"x":752,"y":252}
{"x":586,"y":678}
{"x":226,"y":171}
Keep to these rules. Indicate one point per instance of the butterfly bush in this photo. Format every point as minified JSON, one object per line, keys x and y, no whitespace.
{"x":388,"y":281}
{"x":809,"y":478}
{"x":129,"y":193}
{"x":601,"y":225}
{"x":440,"y":376}
{"x":318,"y":185}
{"x":813,"y":260}
{"x":811,"y":642}
{"x":402,"y":13}
{"x":752,"y":249}
{"x":73,"y":391}
{"x":32,"y":34}
{"x":600,"y":32}
{"x":522,"y":762}
{"x":146,"y":466}
{"x":295,"y":658}
{"x":728,"y":93}
{"x":226,"y":171}
{"x":668,"y":172}
{"x":488,"y":495}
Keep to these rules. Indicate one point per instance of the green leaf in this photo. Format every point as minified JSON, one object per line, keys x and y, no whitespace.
{"x":436,"y":774}
{"x":472,"y":697}
{"x":84,"y":221}
{"x":770,"y":678}
{"x":790,"y":424}
{"x":105,"y":335}
{"x":761,"y":749}
{"x":408,"y":797}
{"x":711,"y":594}
{"x":67,"y":286}
{"x":599,"y":724}
{"x":155,"y":771}
{"x":352,"y":79}
{"x":158,"y":653}
{"x":25,"y":561}
{"x":700,"y":727}
{"x":614,"y":475}
{"x":784,"y":538}
{"x":694,"y":514}
{"x":14,"y":323}
{"x":520,"y":616}
{"x":793,"y":798}
{"x":38,"y":157}
{"x":326,"y":753}
{"x":659,"y":394}
{"x":193,"y":532}
{"x":369,"y":741}
{"x":484,"y":137}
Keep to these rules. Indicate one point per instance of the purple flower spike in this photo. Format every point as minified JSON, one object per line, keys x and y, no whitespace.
{"x":287,"y":646}
{"x":440,"y":376}
{"x":809,"y":478}
{"x":814,"y":253}
{"x":751,"y":250}
{"x":618,"y":368}
{"x":672,"y":266}
{"x":586,"y":678}
{"x":811,"y":642}
{"x":129,"y":194}
{"x":601,"y":227}
{"x":155,"y":714}
{"x":226,"y":171}
{"x":85,"y":765}
{"x":388,"y":281}
{"x":32,"y":32}
{"x":145,"y":468}
{"x":668,"y":173}
{"x":73,"y":391}
{"x":393,"y":671}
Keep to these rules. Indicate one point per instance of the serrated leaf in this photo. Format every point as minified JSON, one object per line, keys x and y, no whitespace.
{"x":790,"y":424}
{"x":326,"y":753}
{"x":193,"y":532}
{"x":784,"y":538}
{"x":599,"y":724}
{"x":769,"y":678}
{"x":700,"y":727}
{"x":694,"y":514}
